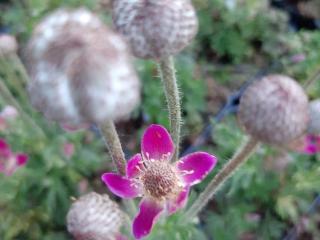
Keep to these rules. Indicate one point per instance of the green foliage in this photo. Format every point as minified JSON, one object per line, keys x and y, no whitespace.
{"x":23,"y":15}
{"x":35,"y":200}
{"x":236,"y":33}
{"x":259,"y":201}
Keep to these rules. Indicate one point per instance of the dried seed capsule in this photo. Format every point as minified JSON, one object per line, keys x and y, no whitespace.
{"x":155,"y":28}
{"x":80,"y":70}
{"x":314,"y":123}
{"x":95,"y":217}
{"x":274,"y":110}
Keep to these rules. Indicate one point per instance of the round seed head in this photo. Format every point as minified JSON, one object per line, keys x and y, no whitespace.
{"x":8,"y":44}
{"x":155,"y":28}
{"x":80,"y":70}
{"x":314,"y":123}
{"x":94,"y":217}
{"x":274,"y":110}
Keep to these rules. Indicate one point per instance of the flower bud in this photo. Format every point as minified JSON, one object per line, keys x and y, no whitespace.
{"x":274,"y":110}
{"x":155,"y":28}
{"x":80,"y":70}
{"x":8,"y":44}
{"x":314,"y":123}
{"x":95,"y":217}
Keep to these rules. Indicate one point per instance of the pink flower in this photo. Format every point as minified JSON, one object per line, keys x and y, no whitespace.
{"x":164,"y":186}
{"x":297,"y":58}
{"x":68,"y":149}
{"x":9,"y":112}
{"x":311,"y":144}
{"x":9,"y":161}
{"x":307,"y":144}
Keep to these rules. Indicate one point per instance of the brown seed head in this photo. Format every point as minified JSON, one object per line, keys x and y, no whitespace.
{"x":155,"y":28}
{"x":314,"y":123}
{"x":81,"y":70}
{"x":160,"y":179}
{"x":94,"y":217}
{"x":274,"y":110}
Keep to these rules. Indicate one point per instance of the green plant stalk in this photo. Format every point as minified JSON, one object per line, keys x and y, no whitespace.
{"x":113,"y":143}
{"x":9,"y":98}
{"x":312,"y":79}
{"x":240,"y":156}
{"x":13,"y":78}
{"x":168,"y":75}
{"x":20,"y":67}
{"x":130,"y":207}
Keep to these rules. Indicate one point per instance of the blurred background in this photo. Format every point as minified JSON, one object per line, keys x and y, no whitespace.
{"x":269,"y":198}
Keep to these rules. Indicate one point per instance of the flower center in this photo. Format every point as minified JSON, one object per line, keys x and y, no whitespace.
{"x":160,"y":179}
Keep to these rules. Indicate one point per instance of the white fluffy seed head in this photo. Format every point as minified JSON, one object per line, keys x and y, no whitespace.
{"x":314,"y":123}
{"x":274,"y":110}
{"x":80,"y":70}
{"x":8,"y":44}
{"x":94,"y":217}
{"x":155,"y":28}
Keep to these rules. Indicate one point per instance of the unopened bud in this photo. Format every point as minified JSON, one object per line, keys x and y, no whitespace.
{"x":274,"y":110}
{"x":95,"y":217}
{"x":80,"y":70}
{"x":155,"y":28}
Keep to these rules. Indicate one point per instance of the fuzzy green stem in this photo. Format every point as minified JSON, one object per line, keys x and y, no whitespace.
{"x":240,"y":156}
{"x":130,"y":207}
{"x":113,"y":143}
{"x":21,"y":68}
{"x":9,"y":98}
{"x":312,"y":79}
{"x":168,"y":75}
{"x":14,"y":78}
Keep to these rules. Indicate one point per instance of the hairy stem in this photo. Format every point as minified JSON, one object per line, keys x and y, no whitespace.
{"x":112,"y":140}
{"x":13,"y":77}
{"x":240,"y":156}
{"x":113,"y":143}
{"x":10,"y":99}
{"x":21,"y":68}
{"x":168,"y":75}
{"x":312,"y":79}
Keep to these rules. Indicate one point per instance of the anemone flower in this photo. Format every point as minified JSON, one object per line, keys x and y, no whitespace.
{"x":9,"y":161}
{"x":311,"y":144}
{"x":163,"y":186}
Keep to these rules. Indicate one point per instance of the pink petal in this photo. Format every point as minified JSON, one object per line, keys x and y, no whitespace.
{"x":5,"y":150}
{"x":157,"y":143}
{"x":10,"y":166}
{"x":133,"y":166}
{"x":195,"y":167}
{"x":147,"y":216}
{"x":9,"y":112}
{"x":121,"y":186}
{"x":3,"y":124}
{"x":312,"y":144}
{"x":21,"y":159}
{"x":179,"y":202}
{"x":68,"y":149}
